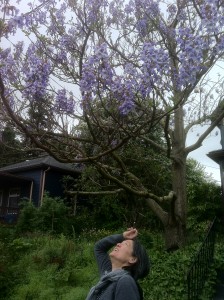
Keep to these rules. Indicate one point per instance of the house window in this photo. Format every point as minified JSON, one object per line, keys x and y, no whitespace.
{"x":13,"y":201}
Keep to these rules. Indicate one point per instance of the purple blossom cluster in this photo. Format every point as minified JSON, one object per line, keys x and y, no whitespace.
{"x":8,"y":9}
{"x":191,"y":45}
{"x":60,"y":13}
{"x":142,"y":27}
{"x":10,"y":64}
{"x":212,"y":18}
{"x":156,"y":64}
{"x":57,"y":19}
{"x":117,"y":12}
{"x":35,"y":17}
{"x":100,"y":80}
{"x":163,"y":57}
{"x":191,"y":51}
{"x":124,"y":89}
{"x":93,"y":11}
{"x":144,"y":11}
{"x":96,"y":72}
{"x":36,"y":72}
{"x":64,"y":103}
{"x":147,"y":8}
{"x":7,"y":66}
{"x":26,"y":21}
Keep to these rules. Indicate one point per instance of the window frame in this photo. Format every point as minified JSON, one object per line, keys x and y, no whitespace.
{"x":13,"y":200}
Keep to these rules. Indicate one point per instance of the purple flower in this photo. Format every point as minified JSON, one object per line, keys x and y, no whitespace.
{"x":126,"y":107}
{"x":64,"y":103}
{"x":36,"y":72}
{"x":142,"y":52}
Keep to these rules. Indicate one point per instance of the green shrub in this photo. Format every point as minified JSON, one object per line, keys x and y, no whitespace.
{"x":28,"y":217}
{"x":52,"y":216}
{"x":44,"y":266}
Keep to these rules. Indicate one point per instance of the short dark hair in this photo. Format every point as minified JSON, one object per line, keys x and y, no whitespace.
{"x":141,"y":268}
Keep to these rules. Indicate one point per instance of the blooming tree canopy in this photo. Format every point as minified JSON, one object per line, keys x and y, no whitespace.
{"x":117,"y":69}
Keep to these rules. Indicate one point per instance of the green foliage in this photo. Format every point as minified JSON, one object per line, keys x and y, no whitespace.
{"x":52,"y":216}
{"x":10,"y":146}
{"x":8,"y":273}
{"x":112,"y":211}
{"x":43,"y":266}
{"x":109,"y":211}
{"x":204,"y":195}
{"x":28,"y":217}
{"x":216,"y":267}
{"x":55,"y":268}
{"x":141,"y":159}
{"x":167,"y":279}
{"x":146,"y":162}
{"x":5,"y":276}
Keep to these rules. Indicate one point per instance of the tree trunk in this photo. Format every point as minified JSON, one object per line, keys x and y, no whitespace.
{"x":174,"y":232}
{"x":175,"y":227}
{"x":175,"y":221}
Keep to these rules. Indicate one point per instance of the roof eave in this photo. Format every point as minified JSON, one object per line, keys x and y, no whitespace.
{"x":217,"y":155}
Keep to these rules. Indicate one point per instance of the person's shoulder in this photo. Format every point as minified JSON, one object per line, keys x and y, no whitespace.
{"x":127,"y":280}
{"x":127,"y":288}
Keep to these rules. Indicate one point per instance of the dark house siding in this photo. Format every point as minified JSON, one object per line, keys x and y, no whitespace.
{"x":12,"y":190}
{"x":47,"y":179}
{"x":54,"y":183}
{"x":36,"y":176}
{"x":31,"y":178}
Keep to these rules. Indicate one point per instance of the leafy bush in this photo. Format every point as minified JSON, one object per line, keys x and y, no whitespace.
{"x":52,"y":216}
{"x":43,"y":266}
{"x":203,"y":194}
{"x":28,"y":217}
{"x":7,"y":277}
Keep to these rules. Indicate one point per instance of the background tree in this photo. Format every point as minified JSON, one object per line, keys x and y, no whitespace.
{"x":14,"y":147}
{"x":203,"y":195}
{"x":125,"y":69}
{"x":10,"y":147}
{"x":124,"y":209}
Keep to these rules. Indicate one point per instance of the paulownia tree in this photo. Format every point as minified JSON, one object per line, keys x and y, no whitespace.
{"x":107,"y":73}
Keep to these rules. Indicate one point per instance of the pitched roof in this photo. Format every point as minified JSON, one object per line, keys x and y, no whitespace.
{"x":44,"y":161}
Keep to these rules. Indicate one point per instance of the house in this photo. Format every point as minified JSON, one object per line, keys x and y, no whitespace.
{"x":30,"y":179}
